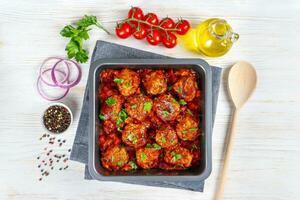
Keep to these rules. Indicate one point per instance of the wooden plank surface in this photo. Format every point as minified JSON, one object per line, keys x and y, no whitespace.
{"x":265,"y":162}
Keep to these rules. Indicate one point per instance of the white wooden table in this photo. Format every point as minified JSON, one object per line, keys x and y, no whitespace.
{"x":265,"y":162}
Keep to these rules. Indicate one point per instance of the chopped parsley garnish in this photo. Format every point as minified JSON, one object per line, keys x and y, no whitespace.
{"x":122,"y":116}
{"x":170,"y":88}
{"x":112,"y":158}
{"x":194,"y":146}
{"x":156,"y":146}
{"x":176,"y":156}
{"x":120,"y":163}
{"x":132,"y":138}
{"x":182,"y":102}
{"x":174,"y":100}
{"x":110,"y":101}
{"x":147,"y":106}
{"x":143,"y":156}
{"x":180,"y":90}
{"x":133,"y":165}
{"x":163,"y":140}
{"x":189,"y":112}
{"x":193,"y":129}
{"x":127,"y":85}
{"x":133,"y":106}
{"x":165,"y":113}
{"x":102,"y":117}
{"x":118,"y":80}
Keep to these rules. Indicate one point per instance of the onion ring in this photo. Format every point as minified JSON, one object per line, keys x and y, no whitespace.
{"x":59,"y":61}
{"x":42,"y":93}
{"x":68,"y":85}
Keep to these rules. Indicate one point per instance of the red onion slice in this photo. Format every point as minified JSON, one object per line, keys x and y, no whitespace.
{"x":59,"y":60}
{"x":66,"y":85}
{"x":44,"y":95}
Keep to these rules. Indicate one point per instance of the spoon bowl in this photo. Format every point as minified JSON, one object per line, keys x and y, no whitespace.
{"x":242,"y":81}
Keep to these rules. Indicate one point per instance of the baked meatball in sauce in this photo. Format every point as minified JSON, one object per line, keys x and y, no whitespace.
{"x":166,"y":107}
{"x":155,"y":82}
{"x":127,"y":81}
{"x":107,"y":141}
{"x":179,"y":156}
{"x":114,"y":158}
{"x":138,"y":107}
{"x":111,"y":107}
{"x":186,"y":88}
{"x":166,"y":137}
{"x":187,"y":128}
{"x":147,"y":158}
{"x":135,"y":135}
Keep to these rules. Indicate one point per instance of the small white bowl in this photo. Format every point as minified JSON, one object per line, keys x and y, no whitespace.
{"x":57,"y":104}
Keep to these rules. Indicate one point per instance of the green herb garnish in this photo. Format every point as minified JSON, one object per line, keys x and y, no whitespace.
{"x":120,"y":163}
{"x":170,"y":88}
{"x":132,"y":138}
{"x":163,"y":140}
{"x":122,"y":116}
{"x":165,"y":113}
{"x":133,"y":165}
{"x":180,"y":90}
{"x":182,"y":102}
{"x":156,"y":146}
{"x":127,"y":85}
{"x":189,"y":112}
{"x":147,"y":106}
{"x":110,"y":101}
{"x":77,"y":35}
{"x":102,"y":117}
{"x":118,"y":80}
{"x":176,"y":156}
{"x":133,"y":106}
{"x":143,"y":156}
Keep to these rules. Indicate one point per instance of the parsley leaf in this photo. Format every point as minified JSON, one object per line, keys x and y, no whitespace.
{"x":165,"y":113}
{"x":176,"y":156}
{"x":102,"y":117}
{"x":122,"y":116}
{"x":143,"y":156}
{"x":133,"y":165}
{"x":156,"y":146}
{"x":120,"y":163}
{"x":118,"y":80}
{"x":147,"y":106}
{"x":77,"y":34}
{"x":110,"y":101}
{"x":182,"y":102}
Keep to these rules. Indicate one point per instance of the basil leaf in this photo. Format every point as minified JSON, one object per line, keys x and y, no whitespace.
{"x":182,"y":102}
{"x":102,"y":117}
{"x":118,"y":80}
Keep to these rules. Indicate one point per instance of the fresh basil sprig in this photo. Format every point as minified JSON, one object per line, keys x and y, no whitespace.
{"x":77,"y":35}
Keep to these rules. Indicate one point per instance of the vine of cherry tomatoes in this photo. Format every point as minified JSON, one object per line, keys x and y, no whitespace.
{"x":150,"y":27}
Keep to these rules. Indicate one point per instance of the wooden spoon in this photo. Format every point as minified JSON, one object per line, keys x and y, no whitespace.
{"x":241,"y":84}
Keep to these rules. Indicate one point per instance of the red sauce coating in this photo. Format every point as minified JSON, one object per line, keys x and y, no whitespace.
{"x":149,"y":119}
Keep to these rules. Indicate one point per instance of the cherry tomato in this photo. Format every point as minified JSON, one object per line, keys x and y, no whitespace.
{"x":169,"y":40}
{"x":151,"y":18}
{"x":154,"y":37}
{"x":136,"y":12}
{"x":182,"y":27}
{"x":123,"y":30}
{"x":167,"y":23}
{"x":140,"y":32}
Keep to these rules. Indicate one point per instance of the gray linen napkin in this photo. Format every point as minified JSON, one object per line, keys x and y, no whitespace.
{"x":80,"y":147}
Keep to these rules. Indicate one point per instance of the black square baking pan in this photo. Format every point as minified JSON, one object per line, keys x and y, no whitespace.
{"x":198,"y":173}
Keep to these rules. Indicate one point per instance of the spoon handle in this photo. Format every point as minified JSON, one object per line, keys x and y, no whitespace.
{"x":231,"y":135}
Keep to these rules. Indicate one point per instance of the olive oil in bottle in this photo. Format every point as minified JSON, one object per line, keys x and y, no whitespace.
{"x":213,"y":37}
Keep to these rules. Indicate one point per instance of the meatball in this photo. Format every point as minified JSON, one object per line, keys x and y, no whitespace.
{"x":186,"y":88}
{"x":187,"y":128}
{"x":166,"y":137}
{"x":147,"y":158}
{"x":114,"y":158}
{"x":111,"y":107}
{"x":155,"y":82}
{"x":179,"y":156}
{"x":107,"y":141}
{"x":166,"y":107}
{"x":127,"y":81}
{"x":135,"y":135}
{"x":138,"y":107}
